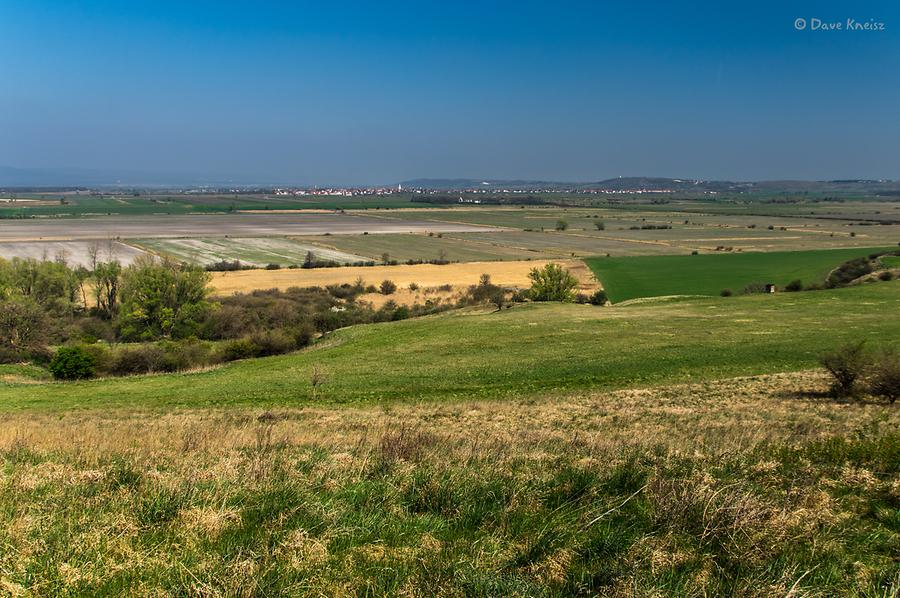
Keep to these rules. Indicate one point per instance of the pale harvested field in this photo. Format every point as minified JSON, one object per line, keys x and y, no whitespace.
{"x":212,"y":225}
{"x":257,"y":251}
{"x":460,"y":276}
{"x":75,"y":253}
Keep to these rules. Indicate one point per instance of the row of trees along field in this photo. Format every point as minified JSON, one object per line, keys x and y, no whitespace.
{"x":157,"y":315}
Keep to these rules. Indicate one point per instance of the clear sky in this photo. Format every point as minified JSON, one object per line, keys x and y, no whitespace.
{"x":343,"y":92}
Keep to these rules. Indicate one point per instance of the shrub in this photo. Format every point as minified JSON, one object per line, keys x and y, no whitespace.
{"x":848,"y":272}
{"x":598,"y":298}
{"x":272,"y":342}
{"x":846,"y":365}
{"x":273,"y":266}
{"x":72,"y":363}
{"x":794,"y":286}
{"x":141,"y":359}
{"x":241,"y":348}
{"x":726,"y":293}
{"x":600,"y":225}
{"x":561,"y":225}
{"x":886,"y":276}
{"x":754,"y":287}
{"x":552,"y":283}
{"x":387,"y":287}
{"x":885,"y":376}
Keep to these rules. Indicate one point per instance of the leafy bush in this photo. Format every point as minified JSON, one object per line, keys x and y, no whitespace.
{"x":885,"y":376}
{"x":886,"y":276}
{"x":561,"y":225}
{"x":846,"y":364}
{"x":72,"y":363}
{"x":726,"y":293}
{"x":387,"y":287}
{"x":600,"y":225}
{"x":552,"y":283}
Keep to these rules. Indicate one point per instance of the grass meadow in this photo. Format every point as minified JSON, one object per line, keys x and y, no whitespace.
{"x":528,"y":350}
{"x":708,"y":274}
{"x":746,"y":487}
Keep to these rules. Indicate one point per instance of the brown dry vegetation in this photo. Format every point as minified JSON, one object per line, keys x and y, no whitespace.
{"x":685,"y":490}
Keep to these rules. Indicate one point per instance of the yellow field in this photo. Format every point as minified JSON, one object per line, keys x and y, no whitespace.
{"x":426,"y":276}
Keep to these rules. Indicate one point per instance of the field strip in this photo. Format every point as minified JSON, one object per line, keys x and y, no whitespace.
{"x":509,"y":273}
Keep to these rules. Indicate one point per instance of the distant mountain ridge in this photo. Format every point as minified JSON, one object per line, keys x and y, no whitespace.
{"x":11,"y":177}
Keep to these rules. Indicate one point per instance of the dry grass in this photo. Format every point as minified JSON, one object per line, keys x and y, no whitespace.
{"x":709,"y":418}
{"x":705,"y":489}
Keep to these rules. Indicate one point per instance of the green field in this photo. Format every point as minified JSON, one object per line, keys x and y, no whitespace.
{"x":622,"y":460}
{"x":708,"y":274}
{"x":530,"y":350}
{"x":150,"y":203}
{"x":891,"y":261}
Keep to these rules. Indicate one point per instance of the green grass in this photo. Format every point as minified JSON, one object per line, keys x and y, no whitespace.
{"x":14,"y":374}
{"x":891,"y":261}
{"x":145,"y":205}
{"x":708,"y":274}
{"x":529,"y":350}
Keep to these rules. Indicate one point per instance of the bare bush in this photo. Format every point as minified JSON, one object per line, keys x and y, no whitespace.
{"x":846,"y":364}
{"x":885,"y":376}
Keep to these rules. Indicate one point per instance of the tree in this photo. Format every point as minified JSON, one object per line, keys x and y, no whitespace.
{"x":161,"y":299}
{"x":386,"y":258}
{"x":106,"y":287}
{"x":600,"y":225}
{"x":23,"y":324}
{"x":561,"y":225}
{"x":552,"y":283}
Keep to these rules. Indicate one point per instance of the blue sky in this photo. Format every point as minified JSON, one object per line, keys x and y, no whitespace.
{"x":354,"y":92}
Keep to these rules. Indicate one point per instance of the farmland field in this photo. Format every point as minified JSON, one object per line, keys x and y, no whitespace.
{"x":238,"y":225}
{"x":632,"y":277}
{"x":76,"y":253}
{"x":526,"y":351}
{"x":427,"y":276}
{"x":258,"y":251}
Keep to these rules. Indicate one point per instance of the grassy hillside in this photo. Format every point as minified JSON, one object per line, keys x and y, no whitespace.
{"x":524,"y":351}
{"x":708,"y":274}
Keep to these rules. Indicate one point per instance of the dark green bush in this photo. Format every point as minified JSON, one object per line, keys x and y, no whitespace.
{"x":794,"y":286}
{"x":726,"y":293}
{"x":598,"y":298}
{"x":72,"y":363}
